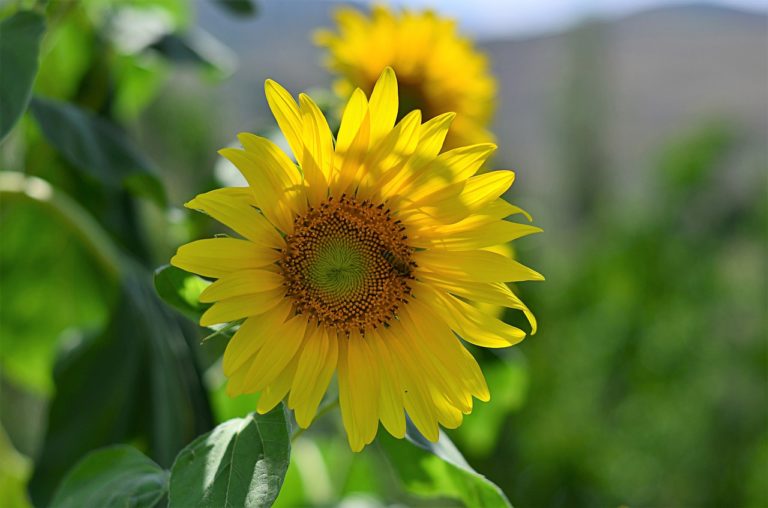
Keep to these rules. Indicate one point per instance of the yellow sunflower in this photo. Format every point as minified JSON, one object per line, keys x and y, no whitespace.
{"x":365,"y":261}
{"x":439,"y":71}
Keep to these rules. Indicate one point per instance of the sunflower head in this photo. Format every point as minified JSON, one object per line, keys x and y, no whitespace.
{"x":438,"y":70}
{"x":366,"y":258}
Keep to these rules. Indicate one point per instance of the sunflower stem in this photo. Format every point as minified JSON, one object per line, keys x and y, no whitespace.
{"x":327,"y":408}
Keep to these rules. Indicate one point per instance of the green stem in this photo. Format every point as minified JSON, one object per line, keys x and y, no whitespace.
{"x":327,"y":408}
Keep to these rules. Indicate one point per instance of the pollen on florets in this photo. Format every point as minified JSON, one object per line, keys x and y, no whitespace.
{"x":348,"y":264}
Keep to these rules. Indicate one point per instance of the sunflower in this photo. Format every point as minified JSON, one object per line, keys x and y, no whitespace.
{"x":438,"y":70}
{"x":366,"y":261}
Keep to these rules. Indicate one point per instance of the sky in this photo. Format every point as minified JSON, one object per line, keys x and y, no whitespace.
{"x":493,"y":18}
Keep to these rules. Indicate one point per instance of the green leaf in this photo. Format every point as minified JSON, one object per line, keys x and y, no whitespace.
{"x":135,"y":381}
{"x":97,"y":147}
{"x":52,"y":265}
{"x":181,"y":290}
{"x":113,"y":477}
{"x":238,"y":7}
{"x":439,"y":470}
{"x":197,"y":47}
{"x":20,"y":37}
{"x":241,"y":463}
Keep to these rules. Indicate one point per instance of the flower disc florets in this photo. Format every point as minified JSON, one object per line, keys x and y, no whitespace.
{"x":347,"y":264}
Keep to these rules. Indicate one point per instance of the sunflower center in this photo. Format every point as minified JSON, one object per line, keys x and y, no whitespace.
{"x":347,"y":264}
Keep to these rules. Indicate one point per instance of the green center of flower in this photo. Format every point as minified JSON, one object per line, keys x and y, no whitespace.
{"x":347,"y":265}
{"x":339,"y":268}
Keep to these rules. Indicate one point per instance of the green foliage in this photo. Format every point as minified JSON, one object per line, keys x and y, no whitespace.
{"x":241,"y":462}
{"x":14,"y":471}
{"x":439,"y":470}
{"x":181,"y":290}
{"x":113,"y":477}
{"x":140,"y":381}
{"x":20,"y":36}
{"x":67,"y":289}
{"x":97,"y":148}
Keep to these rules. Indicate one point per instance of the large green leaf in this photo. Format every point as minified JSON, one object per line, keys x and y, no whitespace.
{"x":241,"y":463}
{"x":97,"y":147}
{"x":439,"y":470}
{"x":114,"y":477}
{"x":55,"y":281}
{"x":181,"y":290}
{"x":20,"y":37}
{"x":136,"y":380}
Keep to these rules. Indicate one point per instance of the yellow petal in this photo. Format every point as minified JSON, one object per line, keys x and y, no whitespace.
{"x":483,"y":189}
{"x":234,"y":207}
{"x":416,"y":393}
{"x":318,"y":140}
{"x":388,"y":158}
{"x":358,"y":391}
{"x":242,"y":282}
{"x":277,"y":389}
{"x":275,"y":201}
{"x":478,"y":237}
{"x":274,"y":356}
{"x":216,"y":257}
{"x":251,"y":336}
{"x":281,"y":169}
{"x":472,"y":324}
{"x":287,"y":115}
{"x":383,"y":104}
{"x":494,"y":293}
{"x":239,"y":307}
{"x":439,"y":339}
{"x":432,"y":134}
{"x":474,"y":265}
{"x":433,"y":365}
{"x":391,"y":389}
{"x":316,"y":364}
{"x":450,"y":167}
{"x":352,"y":143}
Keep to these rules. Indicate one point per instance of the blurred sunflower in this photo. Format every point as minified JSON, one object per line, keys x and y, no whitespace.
{"x":438,"y":70}
{"x":365,"y":262}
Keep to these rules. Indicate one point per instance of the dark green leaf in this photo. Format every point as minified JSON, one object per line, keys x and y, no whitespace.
{"x":241,"y":463}
{"x":238,"y":7}
{"x":97,"y":147}
{"x":198,"y":48}
{"x":439,"y":470}
{"x":136,"y":380}
{"x":20,"y":37}
{"x":113,"y":477}
{"x":181,"y":290}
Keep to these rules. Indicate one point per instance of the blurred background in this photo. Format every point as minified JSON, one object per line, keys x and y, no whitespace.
{"x":638,"y":130}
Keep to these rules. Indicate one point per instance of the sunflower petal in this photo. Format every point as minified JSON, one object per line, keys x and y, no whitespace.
{"x":383,"y":104}
{"x":234,"y":207}
{"x":317,"y":362}
{"x":241,"y":282}
{"x":216,"y":257}
{"x":239,"y":307}
{"x":474,"y":265}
